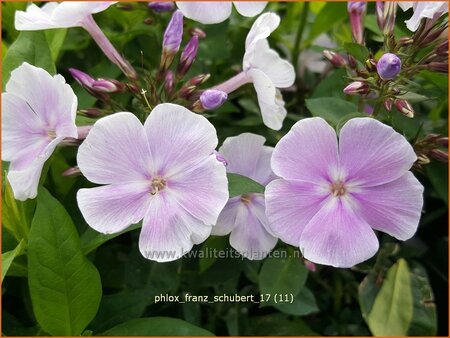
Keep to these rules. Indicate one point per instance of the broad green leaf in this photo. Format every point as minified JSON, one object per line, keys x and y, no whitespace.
{"x":8,"y":257}
{"x":215,"y":243}
{"x":392,"y":311}
{"x":156,"y":326}
{"x":55,"y":39}
{"x":332,"y":85}
{"x":65,"y":287}
{"x":304,"y":304}
{"x":281,"y":276}
{"x":359,"y":52}
{"x":279,"y":324}
{"x":331,"y":14}
{"x":91,"y":239}
{"x":238,"y":185}
{"x":331,"y":109}
{"x":9,"y":9}
{"x":31,"y":47}
{"x":438,"y":175}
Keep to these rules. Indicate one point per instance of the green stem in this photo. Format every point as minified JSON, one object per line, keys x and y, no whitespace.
{"x":298,"y":37}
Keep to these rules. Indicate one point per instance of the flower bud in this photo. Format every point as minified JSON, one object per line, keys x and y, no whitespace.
{"x":87,"y":81}
{"x":198,"y":80}
{"x":423,"y":159}
{"x":186,"y":91}
{"x":172,"y":39}
{"x":371,"y":64}
{"x":356,"y":10}
{"x":405,"y":41}
{"x":389,"y":66}
{"x":108,"y":86}
{"x":197,"y":32}
{"x":389,"y":13}
{"x":73,"y":171}
{"x":439,"y":155}
{"x":334,"y":58}
{"x":220,"y":158}
{"x":440,"y":67}
{"x":352,"y":62}
{"x":404,"y":107}
{"x":388,"y":103}
{"x":161,"y":6}
{"x":379,"y":7}
{"x":168,"y":82}
{"x":310,"y":265}
{"x":187,"y":57}
{"x":356,"y":88}
{"x":213,"y":99}
{"x":91,"y":112}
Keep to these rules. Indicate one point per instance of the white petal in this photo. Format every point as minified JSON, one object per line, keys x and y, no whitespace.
{"x":250,"y":8}
{"x":206,"y":12}
{"x":35,"y":18}
{"x":271,"y":105}
{"x":227,"y":218}
{"x":262,"y":28}
{"x":405,"y":5}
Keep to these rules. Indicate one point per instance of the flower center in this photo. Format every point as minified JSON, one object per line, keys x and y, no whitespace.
{"x":158,"y":184}
{"x":338,"y":188}
{"x":51,"y":133}
{"x":246,"y":198}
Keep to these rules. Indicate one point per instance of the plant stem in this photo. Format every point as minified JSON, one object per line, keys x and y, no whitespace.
{"x":298,"y":37}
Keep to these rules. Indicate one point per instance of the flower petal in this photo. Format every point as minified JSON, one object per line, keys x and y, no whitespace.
{"x":261,"y":29}
{"x":249,"y":236}
{"x":246,"y":155}
{"x":227,"y":218}
{"x":372,"y":153}
{"x":250,"y":8}
{"x":115,"y":151}
{"x":394,"y":207}
{"x":24,"y":177}
{"x":49,"y":97}
{"x":428,"y":9}
{"x":272,"y":106}
{"x":206,"y":12}
{"x":336,"y":236}
{"x":290,"y":206}
{"x":201,"y":190}
{"x":308,"y":152}
{"x":35,"y":18}
{"x":168,"y":231}
{"x":280,"y":72}
{"x":178,"y":139}
{"x":112,"y":208}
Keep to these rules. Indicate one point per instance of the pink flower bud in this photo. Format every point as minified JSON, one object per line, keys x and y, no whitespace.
{"x":404,"y":107}
{"x":334,"y":58}
{"x":356,"y":88}
{"x":168,"y":83}
{"x":161,"y":6}
{"x":389,"y":66}
{"x":108,"y":86}
{"x":357,"y":10}
{"x":187,"y":57}
{"x":213,"y":99}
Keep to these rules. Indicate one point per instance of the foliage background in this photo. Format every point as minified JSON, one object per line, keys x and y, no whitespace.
{"x":403,"y":290}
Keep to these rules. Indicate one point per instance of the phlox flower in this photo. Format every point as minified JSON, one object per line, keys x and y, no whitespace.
{"x":244,"y":216}
{"x":69,"y":14}
{"x":164,"y":172}
{"x":38,"y":113}
{"x":332,"y":196}
{"x":264,"y":68}
{"x":209,"y":12}
{"x":423,"y":9}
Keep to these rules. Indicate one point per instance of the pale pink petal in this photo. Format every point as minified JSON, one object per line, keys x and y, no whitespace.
{"x":307,"y":153}
{"x":249,"y":236}
{"x":24,"y":179}
{"x":290,"y":206}
{"x":280,"y":72}
{"x":115,"y":151}
{"x":35,"y":18}
{"x":202,"y":190}
{"x":426,"y":9}
{"x":178,"y":139}
{"x":49,"y":97}
{"x":271,"y":105}
{"x":338,"y":237}
{"x":372,"y":153}
{"x":261,"y":29}
{"x":227,"y":218}
{"x":394,"y":207}
{"x":168,"y":231}
{"x":405,"y":5}
{"x":246,"y":155}
{"x":206,"y":12}
{"x":112,"y":208}
{"x":250,"y":8}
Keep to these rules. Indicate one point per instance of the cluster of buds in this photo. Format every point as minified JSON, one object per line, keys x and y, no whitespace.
{"x":432,"y":146}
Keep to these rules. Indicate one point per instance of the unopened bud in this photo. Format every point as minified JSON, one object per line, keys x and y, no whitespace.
{"x":161,"y":6}
{"x":379,"y":7}
{"x":352,"y":62}
{"x":441,"y":67}
{"x":148,"y":21}
{"x":405,"y":41}
{"x":423,"y":159}
{"x":187,"y":57}
{"x":87,"y":81}
{"x":388,"y":103}
{"x":310,"y":265}
{"x":357,"y":88}
{"x":389,"y":13}
{"x":198,"y":79}
{"x":442,"y":48}
{"x":168,"y":82}
{"x":357,"y":10}
{"x":334,"y":58}
{"x":197,"y":32}
{"x":172,"y":39}
{"x":73,"y":171}
{"x":371,"y":64}
{"x":404,"y":107}
{"x":389,"y":66}
{"x":91,"y":112}
{"x":109,"y":86}
{"x":213,"y":99}
{"x":220,"y":158}
{"x":186,"y":91}
{"x":439,"y":155}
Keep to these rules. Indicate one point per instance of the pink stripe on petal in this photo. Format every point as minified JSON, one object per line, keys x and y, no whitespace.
{"x":336,"y":236}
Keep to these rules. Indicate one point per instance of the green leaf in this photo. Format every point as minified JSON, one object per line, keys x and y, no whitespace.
{"x":438,"y":175}
{"x":8,"y":257}
{"x":330,"y":15}
{"x":31,"y":47}
{"x":279,"y":324}
{"x":392,"y":310}
{"x":156,"y":326}
{"x":91,"y":239}
{"x":359,"y":52}
{"x":304,"y":304}
{"x":281,"y":276}
{"x":65,"y":286}
{"x":331,"y":109}
{"x":55,"y":40}
{"x":238,"y":185}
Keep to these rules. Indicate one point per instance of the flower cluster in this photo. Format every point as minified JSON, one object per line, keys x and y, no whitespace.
{"x":326,"y":192}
